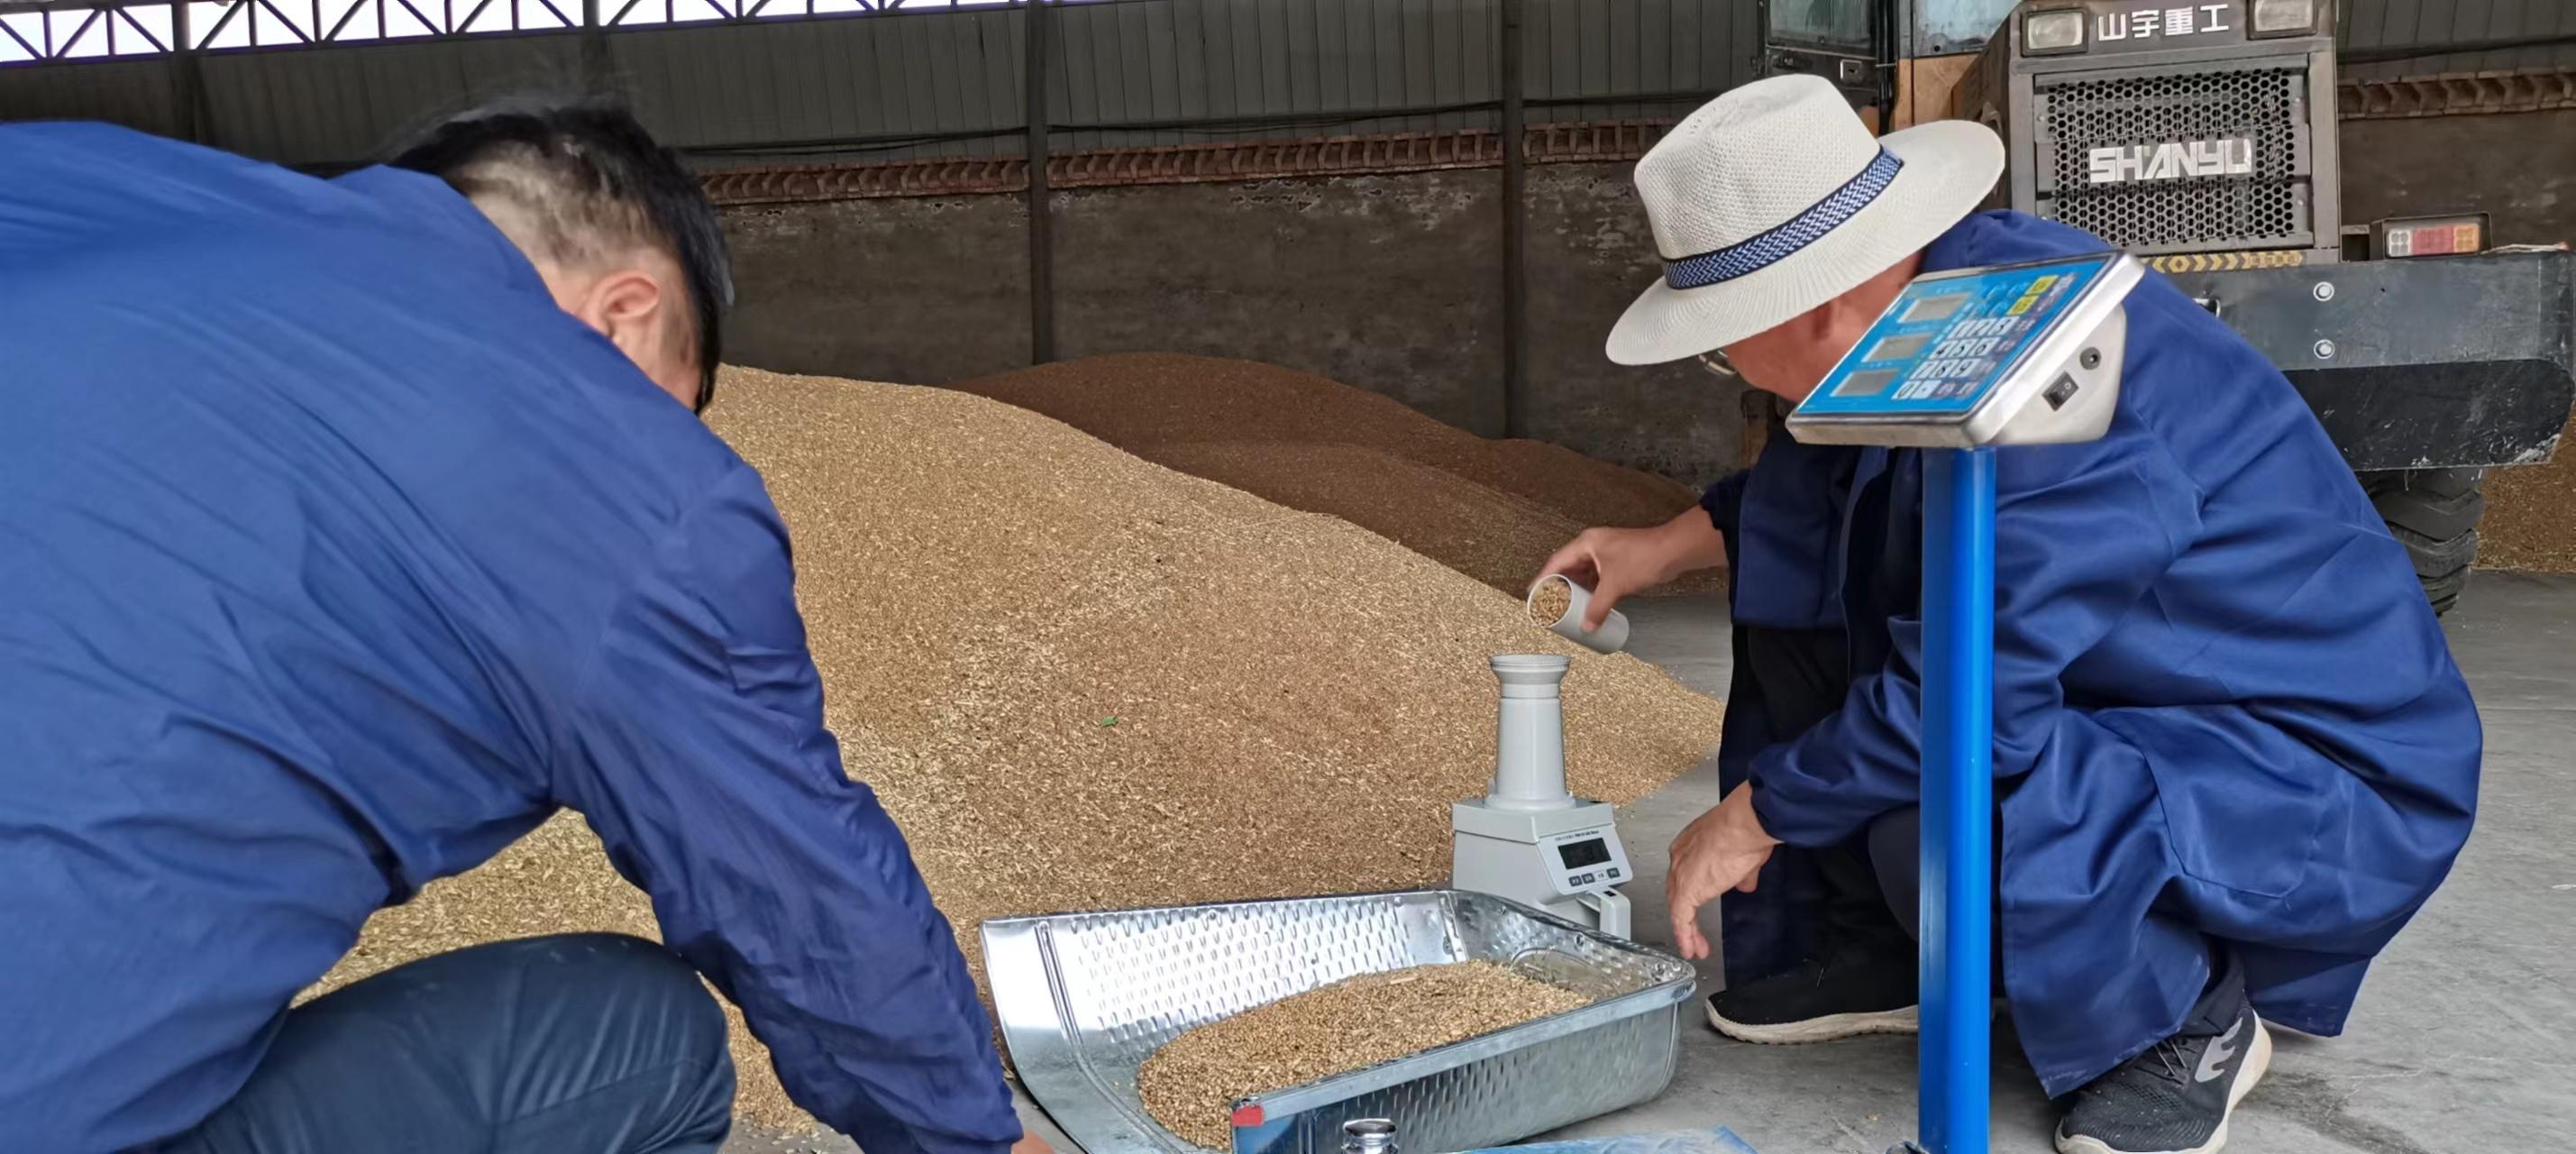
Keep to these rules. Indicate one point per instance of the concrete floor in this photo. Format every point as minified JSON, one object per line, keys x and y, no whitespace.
{"x":2465,"y":1039}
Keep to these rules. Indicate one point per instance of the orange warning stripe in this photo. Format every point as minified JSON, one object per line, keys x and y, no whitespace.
{"x":2224,"y":261}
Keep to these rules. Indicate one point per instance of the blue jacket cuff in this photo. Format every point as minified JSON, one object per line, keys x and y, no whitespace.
{"x":1724,"y":502}
{"x":1803,"y":809}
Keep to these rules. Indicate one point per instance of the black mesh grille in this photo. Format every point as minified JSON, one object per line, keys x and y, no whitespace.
{"x":2150,"y":111}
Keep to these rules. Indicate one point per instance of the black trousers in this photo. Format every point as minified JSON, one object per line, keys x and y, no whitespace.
{"x":1873,"y":884}
{"x":572,"y":1044}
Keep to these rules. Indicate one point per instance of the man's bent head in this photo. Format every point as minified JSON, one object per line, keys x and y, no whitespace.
{"x":1790,"y":359}
{"x":1784,"y":226}
{"x":622,"y":234}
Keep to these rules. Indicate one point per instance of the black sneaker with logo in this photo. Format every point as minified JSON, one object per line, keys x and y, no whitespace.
{"x":2173,"y":1099}
{"x":1854,"y":990}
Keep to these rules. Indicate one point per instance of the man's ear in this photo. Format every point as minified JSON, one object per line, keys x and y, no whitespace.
{"x":626,"y":306}
{"x":644,"y":317}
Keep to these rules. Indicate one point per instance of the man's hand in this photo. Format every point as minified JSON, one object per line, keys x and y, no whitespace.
{"x":1031,"y":1144}
{"x":1614,"y":563}
{"x":1723,"y":850}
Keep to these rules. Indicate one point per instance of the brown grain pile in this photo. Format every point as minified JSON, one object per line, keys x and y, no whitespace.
{"x":1549,"y":601}
{"x":2531,"y":515}
{"x":1191,"y":1084}
{"x":1493,"y":510}
{"x":1101,"y":683}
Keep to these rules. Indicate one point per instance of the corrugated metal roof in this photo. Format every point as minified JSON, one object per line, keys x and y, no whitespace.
{"x":851,"y":86}
{"x":2375,"y":27}
{"x":905,"y":83}
{"x":338,"y":105}
{"x":910,"y":83}
{"x":129,"y":92}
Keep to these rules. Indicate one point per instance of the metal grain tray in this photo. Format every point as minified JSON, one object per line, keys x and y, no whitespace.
{"x":1084,"y":999}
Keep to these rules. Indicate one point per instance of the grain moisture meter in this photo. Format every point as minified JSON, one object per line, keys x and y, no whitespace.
{"x":1964,"y":361}
{"x":1529,"y":838}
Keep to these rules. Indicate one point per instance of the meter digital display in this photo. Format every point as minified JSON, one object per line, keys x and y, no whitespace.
{"x":1899,"y":348}
{"x":1578,"y":854}
{"x":1948,"y":340}
{"x":1866,"y":383}
{"x":1584,"y":860}
{"x":1934,"y":308}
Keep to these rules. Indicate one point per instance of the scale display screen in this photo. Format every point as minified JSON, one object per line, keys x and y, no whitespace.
{"x":1578,"y":854}
{"x":1950,"y":339}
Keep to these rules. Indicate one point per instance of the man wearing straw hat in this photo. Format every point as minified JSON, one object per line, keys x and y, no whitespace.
{"x":2232,"y":754}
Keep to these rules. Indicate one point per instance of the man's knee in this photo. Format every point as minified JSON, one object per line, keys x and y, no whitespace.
{"x":650,"y":971}
{"x":634,"y":1001}
{"x":575,"y":1041}
{"x":1895,"y":841}
{"x":626,"y":1011}
{"x":626,"y":978}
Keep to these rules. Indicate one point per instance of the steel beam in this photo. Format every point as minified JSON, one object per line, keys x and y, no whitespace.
{"x":187,"y":80}
{"x":1515,"y":415}
{"x":1033,"y":78}
{"x":1182,"y":164}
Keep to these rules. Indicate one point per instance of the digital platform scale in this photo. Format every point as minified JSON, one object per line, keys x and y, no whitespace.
{"x":1966,"y":361}
{"x":2017,"y":355}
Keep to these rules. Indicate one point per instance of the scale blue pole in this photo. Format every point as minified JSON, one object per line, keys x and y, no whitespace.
{"x":2022,"y":354}
{"x":1958,"y":797}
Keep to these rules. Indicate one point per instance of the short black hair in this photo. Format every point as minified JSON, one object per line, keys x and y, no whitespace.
{"x":588,"y":175}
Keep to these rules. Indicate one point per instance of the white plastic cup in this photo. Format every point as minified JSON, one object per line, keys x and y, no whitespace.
{"x":1610,"y":638}
{"x":1529,"y":736}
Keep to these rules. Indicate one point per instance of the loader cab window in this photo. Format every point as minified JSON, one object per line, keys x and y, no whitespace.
{"x":1955,"y":25}
{"x":1834,"y":24}
{"x":1931,"y":27}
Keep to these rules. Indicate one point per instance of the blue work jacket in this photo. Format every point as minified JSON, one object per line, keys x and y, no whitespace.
{"x":333,"y":558}
{"x":2223,"y":709}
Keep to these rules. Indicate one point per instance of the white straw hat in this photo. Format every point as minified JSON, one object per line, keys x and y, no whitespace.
{"x":1774,"y":198}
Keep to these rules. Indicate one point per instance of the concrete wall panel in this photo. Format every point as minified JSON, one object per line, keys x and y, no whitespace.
{"x":1390,"y":283}
{"x":921,"y":291}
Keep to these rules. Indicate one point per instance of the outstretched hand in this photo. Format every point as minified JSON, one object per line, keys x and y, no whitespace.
{"x":1614,"y":563}
{"x":1723,"y":850}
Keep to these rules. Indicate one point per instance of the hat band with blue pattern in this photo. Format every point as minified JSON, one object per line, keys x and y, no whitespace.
{"x":1760,"y":252}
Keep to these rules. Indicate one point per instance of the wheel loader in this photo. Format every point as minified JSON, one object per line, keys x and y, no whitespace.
{"x":2201,"y":135}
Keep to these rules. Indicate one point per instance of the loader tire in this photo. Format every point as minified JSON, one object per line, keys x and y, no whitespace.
{"x":2433,"y":513}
